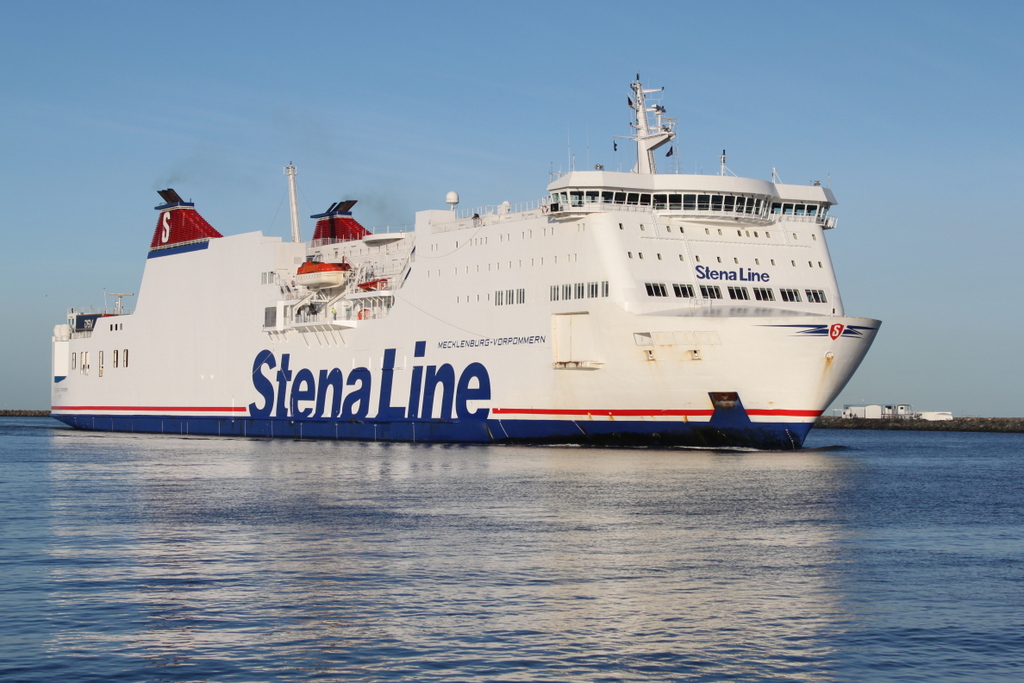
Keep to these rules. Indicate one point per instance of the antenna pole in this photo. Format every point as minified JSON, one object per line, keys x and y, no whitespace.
{"x":293,"y":202}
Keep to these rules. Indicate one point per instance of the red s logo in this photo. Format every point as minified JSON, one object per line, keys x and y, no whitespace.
{"x":836,"y":330}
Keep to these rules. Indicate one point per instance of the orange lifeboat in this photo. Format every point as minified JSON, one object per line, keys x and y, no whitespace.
{"x":319,"y":275}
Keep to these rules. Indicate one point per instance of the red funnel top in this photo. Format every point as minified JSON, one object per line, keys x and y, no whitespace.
{"x":180,"y":223}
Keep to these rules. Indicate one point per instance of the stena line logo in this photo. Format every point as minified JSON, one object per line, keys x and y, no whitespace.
{"x":433,"y":391}
{"x":835,"y":330}
{"x":743,"y":274}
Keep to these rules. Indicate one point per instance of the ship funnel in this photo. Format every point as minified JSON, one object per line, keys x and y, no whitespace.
{"x":337,"y":225}
{"x":179,"y":224}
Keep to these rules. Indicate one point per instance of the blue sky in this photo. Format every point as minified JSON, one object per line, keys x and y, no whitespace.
{"x":913,"y":111}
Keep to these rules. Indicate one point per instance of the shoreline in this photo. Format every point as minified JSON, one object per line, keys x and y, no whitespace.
{"x":957,"y":424}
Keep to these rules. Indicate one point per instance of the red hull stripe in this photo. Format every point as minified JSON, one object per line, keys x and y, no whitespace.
{"x":159,"y":409}
{"x":649,"y":413}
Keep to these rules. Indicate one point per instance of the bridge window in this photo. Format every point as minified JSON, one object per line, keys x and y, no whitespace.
{"x":689,"y":202}
{"x":787,"y":209}
{"x":739,"y":204}
{"x":620,"y":197}
{"x":716,"y":202}
{"x":675,"y":201}
{"x":592,"y":196}
{"x":776,"y":207}
{"x":633,"y":198}
{"x":645,"y":199}
{"x":660,"y":201}
{"x":729,"y":202}
{"x":703,"y":202}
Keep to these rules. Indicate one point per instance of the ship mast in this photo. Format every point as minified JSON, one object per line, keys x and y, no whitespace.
{"x":649,"y":138}
{"x":293,"y":202}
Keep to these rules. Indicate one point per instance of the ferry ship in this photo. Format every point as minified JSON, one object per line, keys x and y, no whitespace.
{"x":621,"y":309}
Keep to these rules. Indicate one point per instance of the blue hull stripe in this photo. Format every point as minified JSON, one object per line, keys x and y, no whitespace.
{"x":719,"y":432}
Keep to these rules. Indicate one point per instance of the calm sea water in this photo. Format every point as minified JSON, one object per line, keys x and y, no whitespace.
{"x":870,"y":556}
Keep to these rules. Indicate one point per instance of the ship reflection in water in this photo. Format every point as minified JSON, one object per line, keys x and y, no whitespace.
{"x":189,"y":558}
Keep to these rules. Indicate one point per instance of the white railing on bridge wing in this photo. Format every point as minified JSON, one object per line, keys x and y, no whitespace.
{"x":500,"y":209}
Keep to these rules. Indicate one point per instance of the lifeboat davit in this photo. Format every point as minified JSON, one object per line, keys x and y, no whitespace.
{"x":319,"y":275}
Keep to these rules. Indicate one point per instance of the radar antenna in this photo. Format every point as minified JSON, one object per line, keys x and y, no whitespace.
{"x":649,"y":138}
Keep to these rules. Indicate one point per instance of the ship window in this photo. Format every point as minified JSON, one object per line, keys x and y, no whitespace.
{"x":554,"y":292}
{"x":697,"y":259}
{"x":810,"y":264}
{"x":656,"y":289}
{"x":735,"y":260}
{"x":114,"y":359}
{"x":681,"y":258}
{"x":630,"y":254}
{"x":757,"y":262}
{"x":719,"y":231}
{"x":812,"y":209}
{"x":620,"y":226}
{"x":620,"y":197}
{"x":642,"y":228}
{"x":815,"y":295}
{"x":640,"y":254}
{"x":580,"y":290}
{"x":710,"y":292}
{"x":776,"y":207}
{"x":509,"y":296}
{"x":819,"y":264}
{"x":520,"y":296}
{"x":74,"y":361}
{"x":729,"y":202}
{"x":124,"y":358}
{"x":606,"y":197}
{"x":675,"y":201}
{"x":566,"y":292}
{"x":592,"y":290}
{"x":660,"y":201}
{"x":659,"y":257}
{"x":592,"y":196}
{"x":683,"y":291}
{"x":703,"y":202}
{"x":716,"y":202}
{"x":604,"y":288}
{"x":498,"y":296}
{"x":645,"y":199}
{"x":707,"y":231}
{"x":800,"y":210}
{"x":773,"y":261}
{"x":739,"y":204}
{"x":738,"y":293}
{"x":794,"y":263}
{"x":85,"y":363}
{"x":633,"y":198}
{"x":763,"y":294}
{"x":768,"y":235}
{"x":787,"y":209}
{"x":719,"y":258}
{"x":577,"y":198}
{"x":690,"y":201}
{"x":790,"y":295}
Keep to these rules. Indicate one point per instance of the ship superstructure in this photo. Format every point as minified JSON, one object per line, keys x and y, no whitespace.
{"x":620,"y":309}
